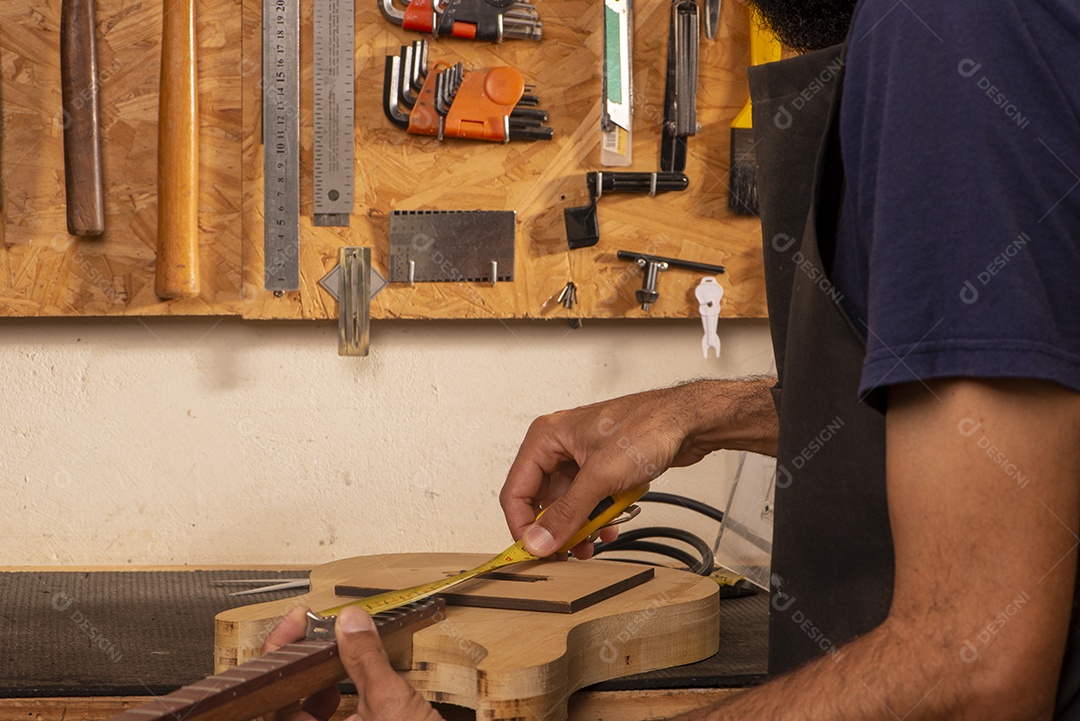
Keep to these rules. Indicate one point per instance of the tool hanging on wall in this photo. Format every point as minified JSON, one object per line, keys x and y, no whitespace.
{"x":452,"y":246}
{"x":742,"y":183}
{"x":491,"y":20}
{"x":178,"y":155}
{"x":82,"y":139}
{"x":353,"y":283}
{"x":450,"y":101}
{"x":281,"y":144}
{"x":582,"y":223}
{"x":712,"y":18}
{"x":653,"y":265}
{"x":680,"y":92}
{"x":617,"y":109}
{"x":568,"y":296}
{"x":709,"y":293}
{"x":334,"y":117}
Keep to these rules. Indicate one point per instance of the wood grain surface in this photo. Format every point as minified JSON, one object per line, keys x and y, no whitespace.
{"x":45,"y":271}
{"x":537,"y":179}
{"x":516,"y":664}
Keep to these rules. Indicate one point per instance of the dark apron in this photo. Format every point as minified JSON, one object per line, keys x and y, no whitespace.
{"x":832,"y":559}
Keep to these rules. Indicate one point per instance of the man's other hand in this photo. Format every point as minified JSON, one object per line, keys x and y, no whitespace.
{"x":382,"y":695}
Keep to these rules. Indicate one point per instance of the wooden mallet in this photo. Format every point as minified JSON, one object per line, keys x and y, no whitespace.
{"x":178,"y":156}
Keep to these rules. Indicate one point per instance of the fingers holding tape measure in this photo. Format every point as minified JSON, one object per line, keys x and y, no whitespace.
{"x":554,"y":528}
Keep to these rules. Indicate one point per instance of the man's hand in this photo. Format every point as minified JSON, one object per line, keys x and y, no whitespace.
{"x":571,"y":460}
{"x":382,"y":695}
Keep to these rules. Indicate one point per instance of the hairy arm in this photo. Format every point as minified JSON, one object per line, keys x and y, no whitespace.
{"x":572,"y":459}
{"x":984,"y":499}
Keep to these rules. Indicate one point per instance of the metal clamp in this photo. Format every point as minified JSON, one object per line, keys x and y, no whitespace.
{"x":354,"y":310}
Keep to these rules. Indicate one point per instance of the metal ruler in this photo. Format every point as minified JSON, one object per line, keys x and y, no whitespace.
{"x":281,"y":143}
{"x":334,"y":116}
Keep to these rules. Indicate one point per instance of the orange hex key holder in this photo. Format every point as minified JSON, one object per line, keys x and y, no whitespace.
{"x":452,"y":102}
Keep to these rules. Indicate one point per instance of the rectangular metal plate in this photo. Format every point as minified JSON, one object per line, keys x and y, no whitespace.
{"x":452,"y":245}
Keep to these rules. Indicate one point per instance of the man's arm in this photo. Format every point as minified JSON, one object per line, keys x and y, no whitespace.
{"x":984,"y":498}
{"x":573,"y":459}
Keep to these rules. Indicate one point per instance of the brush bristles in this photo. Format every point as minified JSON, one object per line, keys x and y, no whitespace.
{"x":742,"y":187}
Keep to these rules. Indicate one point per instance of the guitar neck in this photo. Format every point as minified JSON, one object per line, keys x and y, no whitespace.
{"x":275,"y":680}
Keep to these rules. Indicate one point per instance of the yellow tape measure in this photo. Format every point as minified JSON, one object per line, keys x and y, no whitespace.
{"x":605,"y":512}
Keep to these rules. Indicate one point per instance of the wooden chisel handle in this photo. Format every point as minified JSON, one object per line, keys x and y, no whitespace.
{"x":82,"y":141}
{"x":178,"y":155}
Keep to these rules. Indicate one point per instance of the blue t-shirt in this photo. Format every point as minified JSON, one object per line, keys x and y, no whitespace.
{"x":959,"y":245}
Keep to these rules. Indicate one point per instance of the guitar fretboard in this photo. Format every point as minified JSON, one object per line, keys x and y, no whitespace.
{"x":274,"y":680}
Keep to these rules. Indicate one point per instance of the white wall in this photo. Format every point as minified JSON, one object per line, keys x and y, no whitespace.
{"x":207,"y":441}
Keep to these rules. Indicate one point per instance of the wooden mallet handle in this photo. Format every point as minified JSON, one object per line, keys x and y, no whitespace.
{"x":82,"y":141}
{"x":178,"y":155}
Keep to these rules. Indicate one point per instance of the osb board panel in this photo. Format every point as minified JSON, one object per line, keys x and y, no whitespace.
{"x":538,"y":179}
{"x":43,"y":270}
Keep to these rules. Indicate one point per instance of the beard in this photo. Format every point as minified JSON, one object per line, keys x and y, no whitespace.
{"x":806,"y":25}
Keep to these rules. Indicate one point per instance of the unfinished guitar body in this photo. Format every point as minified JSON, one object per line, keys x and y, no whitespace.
{"x":603,"y":620}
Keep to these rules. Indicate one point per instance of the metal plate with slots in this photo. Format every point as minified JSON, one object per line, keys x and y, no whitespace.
{"x":452,"y":245}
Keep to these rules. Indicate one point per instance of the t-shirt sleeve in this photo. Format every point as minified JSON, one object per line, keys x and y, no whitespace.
{"x":960,"y":233}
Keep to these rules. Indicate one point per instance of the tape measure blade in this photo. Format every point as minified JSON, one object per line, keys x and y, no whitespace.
{"x":334,"y":116}
{"x":394,"y":599}
{"x":281,"y":144}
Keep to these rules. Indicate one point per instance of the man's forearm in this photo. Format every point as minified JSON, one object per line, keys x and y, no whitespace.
{"x":732,"y":414}
{"x":883,"y":676}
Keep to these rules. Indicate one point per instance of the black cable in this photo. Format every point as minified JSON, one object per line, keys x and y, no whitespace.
{"x":688,"y":503}
{"x":627,"y":540}
{"x":662,"y":549}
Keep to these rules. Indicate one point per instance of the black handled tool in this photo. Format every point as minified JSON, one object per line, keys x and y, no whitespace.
{"x":582,"y":223}
{"x":653,"y":265}
{"x":680,"y":93}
